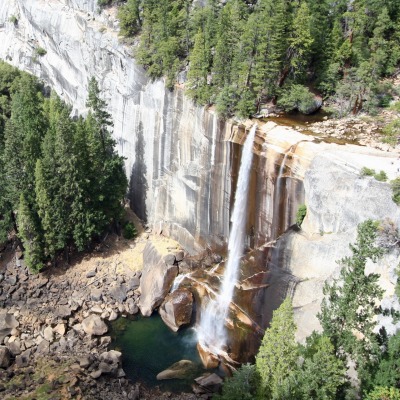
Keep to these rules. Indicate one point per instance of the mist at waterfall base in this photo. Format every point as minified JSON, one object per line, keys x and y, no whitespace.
{"x":148,"y":347}
{"x":211,"y":330}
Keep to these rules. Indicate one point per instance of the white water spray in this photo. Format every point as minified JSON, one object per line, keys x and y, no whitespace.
{"x":211,"y":332}
{"x":177,"y":282}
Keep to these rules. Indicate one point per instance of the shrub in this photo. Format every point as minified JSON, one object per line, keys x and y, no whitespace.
{"x":367,"y":171}
{"x":129,"y":231}
{"x":384,"y":393}
{"x":297,"y":97}
{"x":391,"y":133}
{"x":301,"y":213}
{"x":381,"y":176}
{"x":395,"y":184}
{"x":14,"y":19}
{"x":104,"y":3}
{"x":40,"y":51}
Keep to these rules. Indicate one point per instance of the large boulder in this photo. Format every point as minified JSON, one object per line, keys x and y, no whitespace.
{"x":7,"y":324}
{"x":110,"y":362}
{"x":209,"y":383}
{"x":176,"y":310}
{"x":94,"y":325}
{"x":157,"y":278}
{"x":178,"y":370}
{"x":5,"y":357}
{"x":208,"y":359}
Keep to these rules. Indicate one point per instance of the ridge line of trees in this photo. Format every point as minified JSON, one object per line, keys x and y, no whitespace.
{"x":240,"y":54}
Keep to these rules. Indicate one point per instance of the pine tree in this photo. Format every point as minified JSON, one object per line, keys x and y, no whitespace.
{"x":197,"y":86}
{"x":108,"y":180}
{"x":242,"y":385}
{"x":322,"y":374}
{"x":277,"y":356}
{"x":301,"y":41}
{"x":30,"y":234}
{"x":350,"y":306}
{"x":129,"y":16}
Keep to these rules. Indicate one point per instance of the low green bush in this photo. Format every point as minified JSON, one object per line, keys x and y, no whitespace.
{"x":391,"y":133}
{"x":40,"y":51}
{"x":301,"y":214}
{"x":14,"y":19}
{"x":395,"y":184}
{"x":379,"y":176}
{"x":129,"y":231}
{"x":367,"y":171}
{"x":297,"y":97}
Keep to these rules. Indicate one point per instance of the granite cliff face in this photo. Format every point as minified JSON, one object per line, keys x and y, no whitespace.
{"x":183,"y":161}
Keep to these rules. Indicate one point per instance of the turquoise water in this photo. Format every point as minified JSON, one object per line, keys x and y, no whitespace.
{"x":149,"y":347}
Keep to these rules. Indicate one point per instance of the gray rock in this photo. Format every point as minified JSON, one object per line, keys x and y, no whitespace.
{"x":118,"y":292}
{"x":11,"y":280}
{"x":112,"y":356}
{"x":59,"y":329}
{"x":95,"y":374}
{"x":134,"y":394}
{"x":120,"y":373}
{"x":169,"y":259}
{"x":113,"y":316}
{"x":96,"y":310}
{"x":91,"y":273}
{"x":14,"y":348}
{"x":178,"y":370}
{"x":63,"y":311}
{"x":106,"y":368}
{"x":94,"y":325}
{"x":85,"y":362}
{"x":105,"y":341}
{"x":23,"y":360}
{"x":156,"y":280}
{"x":110,"y":362}
{"x":131,"y":307}
{"x":210,"y":382}
{"x":179,"y":255}
{"x":48,"y":334}
{"x":96,"y":294}
{"x":177,"y":308}
{"x":133,"y":283}
{"x":7,"y":323}
{"x":5,"y":357}
{"x":43,"y":347}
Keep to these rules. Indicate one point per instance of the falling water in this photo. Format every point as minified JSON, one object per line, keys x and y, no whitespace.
{"x":277,"y":193}
{"x":211,"y":331}
{"x":178,"y":281}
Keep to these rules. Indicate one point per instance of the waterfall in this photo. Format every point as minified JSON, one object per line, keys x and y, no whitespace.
{"x":211,"y":331}
{"x":277,"y":230}
{"x":177,"y":282}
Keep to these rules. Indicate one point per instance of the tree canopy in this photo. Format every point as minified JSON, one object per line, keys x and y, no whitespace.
{"x":242,"y":53}
{"x":63,"y":183}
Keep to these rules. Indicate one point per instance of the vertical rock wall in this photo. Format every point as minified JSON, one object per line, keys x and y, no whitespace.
{"x":181,"y":160}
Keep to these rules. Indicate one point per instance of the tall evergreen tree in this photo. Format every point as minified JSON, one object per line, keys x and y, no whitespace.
{"x":277,"y":356}
{"x":31,"y":235}
{"x":350,"y":306}
{"x":197,"y":84}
